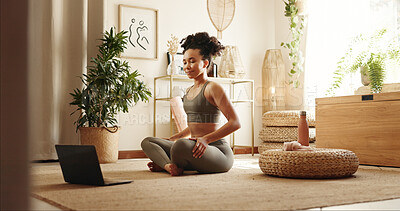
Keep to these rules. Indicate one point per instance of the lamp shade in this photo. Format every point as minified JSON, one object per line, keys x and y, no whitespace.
{"x":231,"y":65}
{"x":273,"y":81}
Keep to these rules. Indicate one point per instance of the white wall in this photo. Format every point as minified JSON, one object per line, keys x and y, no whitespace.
{"x":252,"y":30}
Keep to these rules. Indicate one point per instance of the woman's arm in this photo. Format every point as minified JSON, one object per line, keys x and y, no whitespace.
{"x":218,"y":96}
{"x":183,"y":134}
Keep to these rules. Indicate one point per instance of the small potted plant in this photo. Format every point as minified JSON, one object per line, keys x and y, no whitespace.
{"x":369,"y":55}
{"x":108,"y":87}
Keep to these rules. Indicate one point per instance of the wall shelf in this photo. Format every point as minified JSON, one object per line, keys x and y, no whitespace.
{"x":230,"y":81}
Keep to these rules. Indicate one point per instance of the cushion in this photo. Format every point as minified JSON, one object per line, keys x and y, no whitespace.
{"x":319,"y":163}
{"x":286,"y":118}
{"x":282,"y":134}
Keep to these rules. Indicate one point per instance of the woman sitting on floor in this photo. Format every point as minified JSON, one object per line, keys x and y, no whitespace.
{"x":206,"y":151}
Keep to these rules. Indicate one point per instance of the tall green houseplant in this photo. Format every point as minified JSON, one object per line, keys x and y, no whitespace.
{"x":109,"y":85}
{"x":296,"y":26}
{"x":370,"y":55}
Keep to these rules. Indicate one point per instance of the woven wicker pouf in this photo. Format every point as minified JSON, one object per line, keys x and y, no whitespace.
{"x":319,"y":163}
{"x":282,"y":134}
{"x":285,"y":118}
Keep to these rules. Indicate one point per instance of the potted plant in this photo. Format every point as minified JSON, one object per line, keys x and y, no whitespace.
{"x":296,"y":27}
{"x":369,"y":55}
{"x":108,"y":87}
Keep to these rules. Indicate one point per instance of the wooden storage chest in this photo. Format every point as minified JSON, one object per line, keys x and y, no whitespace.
{"x":368,"y":125}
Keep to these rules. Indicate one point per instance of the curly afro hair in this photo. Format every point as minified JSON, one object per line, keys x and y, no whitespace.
{"x":209,"y":46}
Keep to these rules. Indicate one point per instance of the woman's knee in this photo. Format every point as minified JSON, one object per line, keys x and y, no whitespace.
{"x":182,"y":145}
{"x":181,"y":152}
{"x":146,"y":142}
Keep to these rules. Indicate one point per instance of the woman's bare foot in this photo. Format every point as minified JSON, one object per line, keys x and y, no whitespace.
{"x":154,"y":167}
{"x":173,"y":169}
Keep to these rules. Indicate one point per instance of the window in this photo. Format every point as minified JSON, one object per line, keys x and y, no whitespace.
{"x":331,"y":26}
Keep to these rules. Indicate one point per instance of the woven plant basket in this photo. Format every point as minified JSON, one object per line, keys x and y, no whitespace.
{"x":106,"y":142}
{"x":282,"y":134}
{"x":320,"y":163}
{"x":285,"y":118}
{"x":264,"y":146}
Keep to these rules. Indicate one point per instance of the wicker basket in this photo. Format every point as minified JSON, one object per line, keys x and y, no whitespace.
{"x":282,"y":134}
{"x":106,"y":142}
{"x":286,"y":118}
{"x":320,"y":163}
{"x":264,"y":146}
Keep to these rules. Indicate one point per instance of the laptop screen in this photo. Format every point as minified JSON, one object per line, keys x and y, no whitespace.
{"x":79,"y":164}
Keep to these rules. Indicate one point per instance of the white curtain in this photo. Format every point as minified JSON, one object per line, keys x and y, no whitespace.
{"x":331,"y":26}
{"x":57,"y":57}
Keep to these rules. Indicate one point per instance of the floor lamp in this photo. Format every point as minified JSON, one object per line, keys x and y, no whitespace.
{"x":273,"y":81}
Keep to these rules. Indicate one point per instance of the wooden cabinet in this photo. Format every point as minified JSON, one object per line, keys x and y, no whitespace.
{"x":368,"y":125}
{"x":173,"y":79}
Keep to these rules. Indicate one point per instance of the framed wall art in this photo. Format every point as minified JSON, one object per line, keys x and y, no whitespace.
{"x":142,"y":27}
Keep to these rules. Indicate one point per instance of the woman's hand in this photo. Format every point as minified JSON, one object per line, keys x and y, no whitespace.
{"x":200,"y":147}
{"x":184,"y":133}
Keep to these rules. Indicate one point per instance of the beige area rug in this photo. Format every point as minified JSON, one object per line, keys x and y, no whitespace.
{"x":245,"y":187}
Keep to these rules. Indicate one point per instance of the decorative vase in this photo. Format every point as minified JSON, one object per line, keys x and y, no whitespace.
{"x":106,"y":142}
{"x":172,"y":68}
{"x":364,"y":76}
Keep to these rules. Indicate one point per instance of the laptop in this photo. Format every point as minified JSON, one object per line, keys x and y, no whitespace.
{"x":80,"y":165}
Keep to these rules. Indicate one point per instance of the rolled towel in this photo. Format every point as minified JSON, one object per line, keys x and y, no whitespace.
{"x":178,"y":113}
{"x":295,"y":146}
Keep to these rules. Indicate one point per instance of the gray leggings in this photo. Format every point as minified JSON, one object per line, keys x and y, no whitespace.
{"x":218,"y":156}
